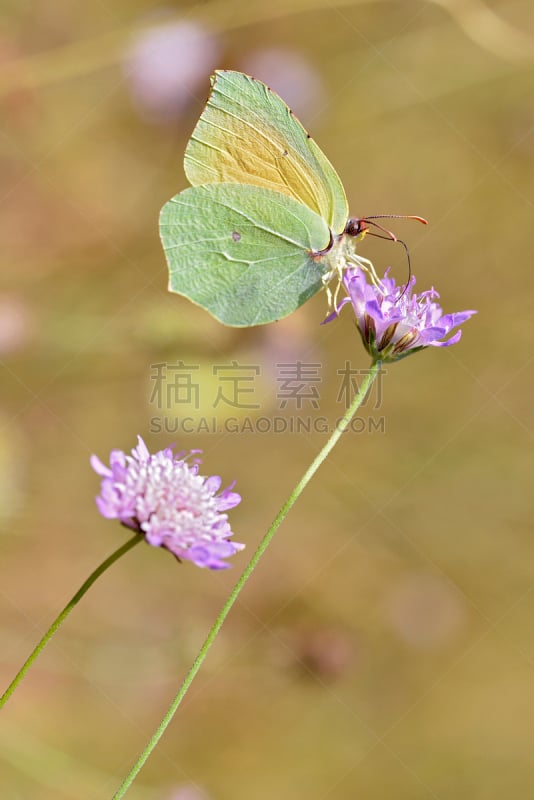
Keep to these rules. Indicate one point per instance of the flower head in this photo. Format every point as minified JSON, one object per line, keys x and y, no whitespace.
{"x":394,"y":321}
{"x":163,"y":497}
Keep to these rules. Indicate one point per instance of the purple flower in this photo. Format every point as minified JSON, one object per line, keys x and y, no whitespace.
{"x":166,"y":66}
{"x":163,"y":497}
{"x":395,"y":322}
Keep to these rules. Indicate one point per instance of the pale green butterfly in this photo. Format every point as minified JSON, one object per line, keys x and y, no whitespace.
{"x":265,"y":224}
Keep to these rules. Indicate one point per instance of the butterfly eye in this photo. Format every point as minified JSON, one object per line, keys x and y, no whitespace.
{"x":355,"y":226}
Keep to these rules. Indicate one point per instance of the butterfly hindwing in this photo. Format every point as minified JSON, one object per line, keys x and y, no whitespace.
{"x":248,"y":135}
{"x":244,"y":253}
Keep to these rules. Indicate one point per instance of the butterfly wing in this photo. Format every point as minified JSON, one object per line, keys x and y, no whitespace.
{"x":244,"y":253}
{"x":247,"y":134}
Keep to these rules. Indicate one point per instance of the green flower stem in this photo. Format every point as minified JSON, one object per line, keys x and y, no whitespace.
{"x":65,"y":613}
{"x":249,"y":569}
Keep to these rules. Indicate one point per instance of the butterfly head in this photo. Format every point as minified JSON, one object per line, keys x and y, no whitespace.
{"x":356,"y":227}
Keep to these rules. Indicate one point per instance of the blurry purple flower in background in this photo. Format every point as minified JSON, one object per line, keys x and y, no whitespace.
{"x":163,"y":497}
{"x":394,"y":322}
{"x":167,"y":67}
{"x":425,"y":610}
{"x":16,"y":325}
{"x":290,"y":74}
{"x":188,"y":792}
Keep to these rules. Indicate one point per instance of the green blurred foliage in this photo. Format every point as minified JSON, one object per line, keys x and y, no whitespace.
{"x":384,"y":648}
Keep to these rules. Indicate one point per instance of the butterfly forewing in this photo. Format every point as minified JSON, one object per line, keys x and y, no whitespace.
{"x":244,"y":253}
{"x":247,"y":135}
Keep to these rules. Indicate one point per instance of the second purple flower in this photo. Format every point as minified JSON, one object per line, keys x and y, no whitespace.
{"x":163,"y":497}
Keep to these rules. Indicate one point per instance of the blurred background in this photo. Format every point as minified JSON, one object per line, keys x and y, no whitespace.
{"x":385,"y":646}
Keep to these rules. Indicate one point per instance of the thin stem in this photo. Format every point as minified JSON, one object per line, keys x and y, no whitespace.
{"x":249,"y":569}
{"x":65,"y":613}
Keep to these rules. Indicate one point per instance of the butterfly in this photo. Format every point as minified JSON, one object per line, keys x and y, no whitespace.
{"x":265,"y":223}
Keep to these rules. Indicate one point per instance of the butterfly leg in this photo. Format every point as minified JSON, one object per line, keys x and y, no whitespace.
{"x":339,"y":260}
{"x":368,"y":266}
{"x":326,"y":278}
{"x":332,"y":297}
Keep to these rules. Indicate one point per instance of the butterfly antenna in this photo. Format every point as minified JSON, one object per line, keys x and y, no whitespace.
{"x":390,"y":234}
{"x":406,"y":250}
{"x":392,"y":237}
{"x":398,"y":216}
